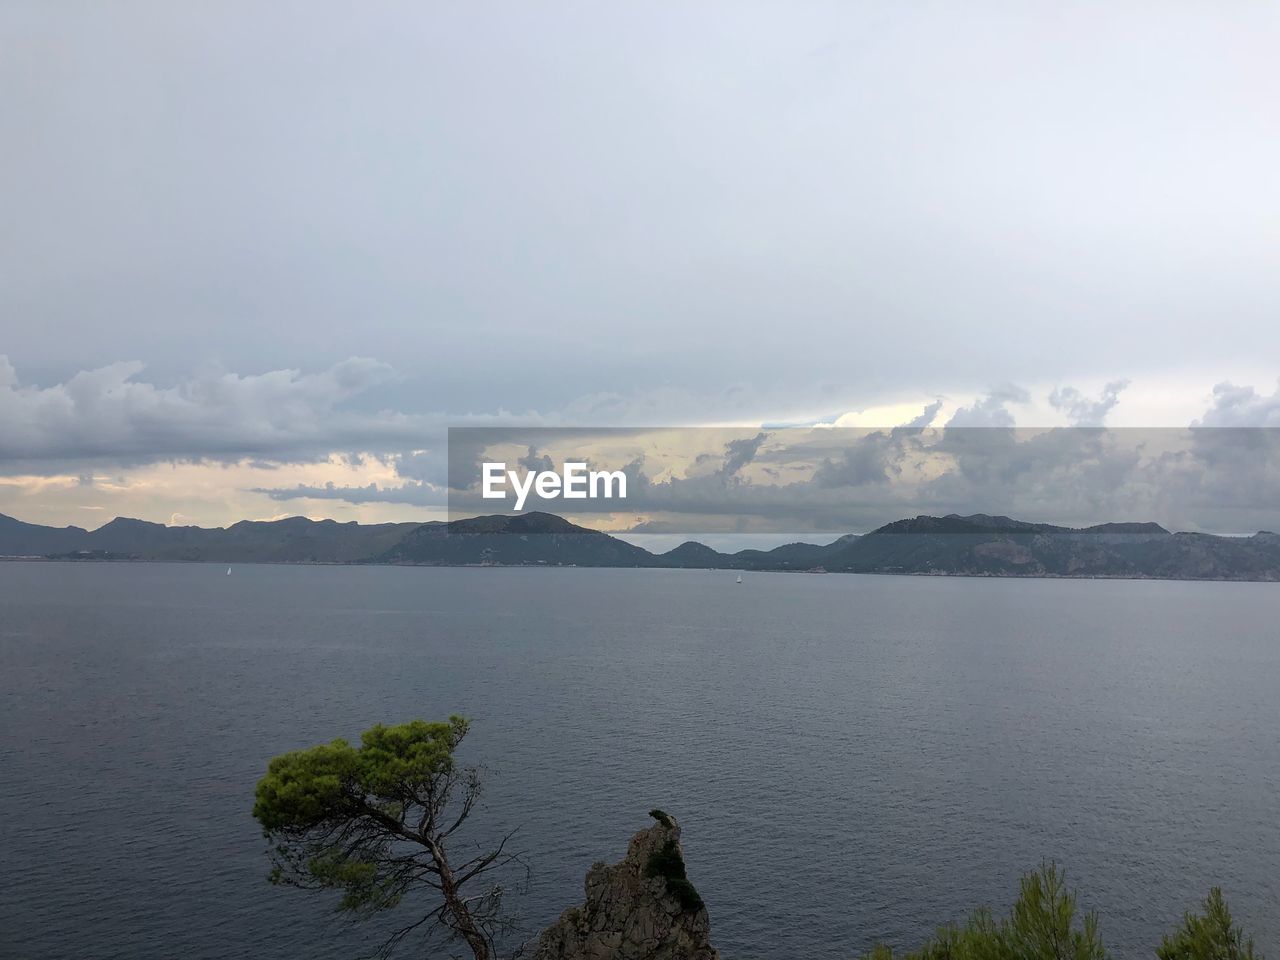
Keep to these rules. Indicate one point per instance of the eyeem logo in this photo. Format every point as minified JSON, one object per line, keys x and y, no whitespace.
{"x":576,"y":482}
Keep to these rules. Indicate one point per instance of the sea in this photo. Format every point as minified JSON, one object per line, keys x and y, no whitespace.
{"x":852,"y":758}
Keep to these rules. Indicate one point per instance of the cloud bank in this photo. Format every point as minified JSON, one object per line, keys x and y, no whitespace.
{"x":110,"y":414}
{"x":979,"y":460}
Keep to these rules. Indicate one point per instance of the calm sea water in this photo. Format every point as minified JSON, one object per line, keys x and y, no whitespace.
{"x":852,"y":758}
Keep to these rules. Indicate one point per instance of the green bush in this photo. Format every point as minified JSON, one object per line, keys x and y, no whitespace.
{"x":1208,"y":937}
{"x":667,"y":863}
{"x":686,"y":895}
{"x":1043,"y":926}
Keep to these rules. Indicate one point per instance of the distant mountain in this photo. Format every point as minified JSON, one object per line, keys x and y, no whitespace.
{"x":18,"y":539}
{"x":527,"y":538}
{"x":975,"y":545}
{"x":294,"y":540}
{"x":691,"y":554}
{"x":982,"y":545}
{"x":790,"y":556}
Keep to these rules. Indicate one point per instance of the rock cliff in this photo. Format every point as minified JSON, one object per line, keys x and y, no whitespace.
{"x":643,"y":908}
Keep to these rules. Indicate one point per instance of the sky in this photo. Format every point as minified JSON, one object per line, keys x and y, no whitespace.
{"x":251,"y":253}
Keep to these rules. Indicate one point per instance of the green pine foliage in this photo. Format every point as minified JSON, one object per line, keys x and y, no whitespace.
{"x":1211,"y":936}
{"x":337,"y":816}
{"x":1043,"y":925}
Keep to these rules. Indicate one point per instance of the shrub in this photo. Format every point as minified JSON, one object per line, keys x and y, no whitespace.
{"x":1208,"y":937}
{"x":1041,"y":926}
{"x":667,"y":863}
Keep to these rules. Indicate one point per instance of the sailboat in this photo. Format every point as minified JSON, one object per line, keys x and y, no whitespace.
{"x":739,"y":578}
{"x":228,"y":571}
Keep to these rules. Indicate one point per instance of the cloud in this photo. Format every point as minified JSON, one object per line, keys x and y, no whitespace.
{"x":926,"y":416}
{"x":842,"y":479}
{"x":534,"y":462}
{"x":833,"y":479}
{"x":1241,"y":407}
{"x":110,"y":414}
{"x":1083,"y":412}
{"x":412,"y":492}
{"x":851,"y":478}
{"x":991,"y":410}
{"x":865,"y":460}
{"x":739,"y":453}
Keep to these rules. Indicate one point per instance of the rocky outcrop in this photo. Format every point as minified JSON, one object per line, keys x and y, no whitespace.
{"x":643,"y":908}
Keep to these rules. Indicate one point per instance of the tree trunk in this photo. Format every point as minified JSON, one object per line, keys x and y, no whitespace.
{"x":463,"y":922}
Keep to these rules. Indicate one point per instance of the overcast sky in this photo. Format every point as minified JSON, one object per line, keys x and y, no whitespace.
{"x":246,"y":246}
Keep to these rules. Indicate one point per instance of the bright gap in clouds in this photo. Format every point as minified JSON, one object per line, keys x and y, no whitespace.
{"x":204,"y":494}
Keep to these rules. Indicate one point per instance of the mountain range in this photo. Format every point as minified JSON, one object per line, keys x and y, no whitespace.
{"x":975,"y":545}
